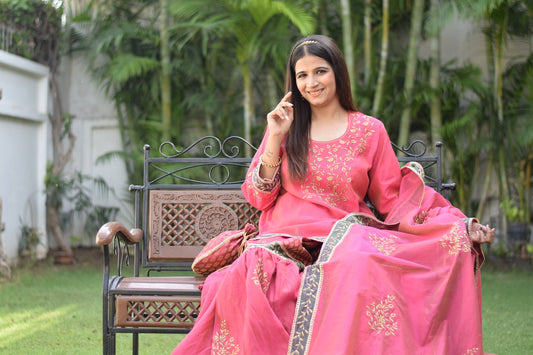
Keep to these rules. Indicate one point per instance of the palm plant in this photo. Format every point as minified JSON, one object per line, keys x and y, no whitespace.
{"x":132,"y":54}
{"x":507,"y":18}
{"x":248,"y":27}
{"x":516,"y":86}
{"x":464,"y":101}
{"x":121,"y":43}
{"x":497,"y":116}
{"x":249,"y":19}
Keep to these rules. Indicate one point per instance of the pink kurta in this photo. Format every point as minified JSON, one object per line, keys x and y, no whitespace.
{"x":326,"y":277}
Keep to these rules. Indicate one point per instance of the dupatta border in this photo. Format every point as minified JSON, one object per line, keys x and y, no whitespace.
{"x":311,"y":285}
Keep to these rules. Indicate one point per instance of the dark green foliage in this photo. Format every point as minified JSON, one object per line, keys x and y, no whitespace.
{"x":36,"y":27}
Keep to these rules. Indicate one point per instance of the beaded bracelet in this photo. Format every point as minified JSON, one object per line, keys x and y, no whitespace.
{"x":269,"y":165}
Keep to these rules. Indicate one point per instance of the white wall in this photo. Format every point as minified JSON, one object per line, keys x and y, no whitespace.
{"x":465,"y":42}
{"x":96,"y":129}
{"x":23,"y":149}
{"x":25,"y":146}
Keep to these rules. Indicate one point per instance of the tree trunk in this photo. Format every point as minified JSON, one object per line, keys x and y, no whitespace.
{"x":126,"y":138}
{"x":434,"y":81}
{"x":61,"y":156}
{"x":54,"y":227}
{"x":323,"y":18}
{"x":497,"y":93}
{"x":368,"y":41}
{"x":272,"y":93}
{"x":410,"y":71}
{"x":165,"y":73}
{"x":485,"y":191}
{"x":376,"y":107}
{"x":347,"y":39}
{"x":248,"y":106}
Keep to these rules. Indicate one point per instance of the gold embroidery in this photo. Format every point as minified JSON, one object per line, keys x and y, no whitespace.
{"x":362,"y":133}
{"x":260,"y":276}
{"x":385,"y":244}
{"x":223,"y":344}
{"x":472,"y":351}
{"x":330,"y":164}
{"x":421,"y":217}
{"x":264,"y":185}
{"x":457,"y":240}
{"x":382,"y":316}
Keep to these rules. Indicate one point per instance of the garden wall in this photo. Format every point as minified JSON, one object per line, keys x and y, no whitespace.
{"x":96,"y":129}
{"x":23,"y":149}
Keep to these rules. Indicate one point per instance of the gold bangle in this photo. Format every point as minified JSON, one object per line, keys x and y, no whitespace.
{"x":269,"y":165}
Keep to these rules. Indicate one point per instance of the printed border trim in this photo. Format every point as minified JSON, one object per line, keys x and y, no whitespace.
{"x":312,"y":279}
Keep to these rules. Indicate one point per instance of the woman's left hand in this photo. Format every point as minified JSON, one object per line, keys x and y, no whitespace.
{"x":481,"y":234}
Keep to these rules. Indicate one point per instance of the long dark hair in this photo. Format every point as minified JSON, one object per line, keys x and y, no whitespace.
{"x":297,"y":143}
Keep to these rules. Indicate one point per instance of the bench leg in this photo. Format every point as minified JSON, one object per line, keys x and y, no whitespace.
{"x":109,"y":344}
{"x":108,"y":337}
{"x":135,"y":343}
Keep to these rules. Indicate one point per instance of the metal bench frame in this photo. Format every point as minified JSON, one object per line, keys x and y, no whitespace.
{"x":175,"y":214}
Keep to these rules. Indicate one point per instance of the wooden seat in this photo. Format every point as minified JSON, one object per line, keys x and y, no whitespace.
{"x":163,"y":302}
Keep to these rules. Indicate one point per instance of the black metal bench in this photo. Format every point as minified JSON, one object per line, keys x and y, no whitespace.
{"x":188,"y":196}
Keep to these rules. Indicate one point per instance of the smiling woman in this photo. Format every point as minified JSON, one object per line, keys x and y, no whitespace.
{"x":316,"y":81}
{"x":325,"y":275}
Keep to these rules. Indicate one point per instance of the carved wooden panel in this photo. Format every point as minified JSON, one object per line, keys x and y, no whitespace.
{"x":157,"y":311}
{"x":182,"y":222}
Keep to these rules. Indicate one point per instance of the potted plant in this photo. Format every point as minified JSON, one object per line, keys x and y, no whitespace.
{"x":29,"y":241}
{"x":517,"y":226}
{"x":75,"y":191}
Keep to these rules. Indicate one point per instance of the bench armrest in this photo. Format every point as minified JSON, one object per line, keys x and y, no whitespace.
{"x":108,"y":231}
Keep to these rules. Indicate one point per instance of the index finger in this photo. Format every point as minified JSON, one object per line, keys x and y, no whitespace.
{"x":287,"y":97}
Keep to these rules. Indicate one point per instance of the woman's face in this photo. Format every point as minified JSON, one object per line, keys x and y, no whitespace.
{"x":315,"y":80}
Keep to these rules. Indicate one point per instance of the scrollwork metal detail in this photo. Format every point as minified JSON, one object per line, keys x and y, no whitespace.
{"x":233,"y":150}
{"x":416,"y":149}
{"x":211,"y":149}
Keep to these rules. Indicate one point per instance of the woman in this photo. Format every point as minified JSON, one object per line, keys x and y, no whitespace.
{"x":325,"y":276}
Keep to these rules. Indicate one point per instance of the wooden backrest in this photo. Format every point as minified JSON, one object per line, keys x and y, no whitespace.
{"x":182,"y":222}
{"x":191,"y":194}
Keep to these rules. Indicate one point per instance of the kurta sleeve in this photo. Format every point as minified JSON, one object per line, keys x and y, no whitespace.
{"x":384,"y":175}
{"x":261,"y":193}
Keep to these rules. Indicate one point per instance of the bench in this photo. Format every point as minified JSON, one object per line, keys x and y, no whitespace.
{"x":188,"y":196}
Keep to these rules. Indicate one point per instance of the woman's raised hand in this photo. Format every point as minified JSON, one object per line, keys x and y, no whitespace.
{"x":280,"y":119}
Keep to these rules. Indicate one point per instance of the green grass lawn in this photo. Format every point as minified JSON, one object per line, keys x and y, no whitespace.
{"x":508,"y":312}
{"x":57,"y":310}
